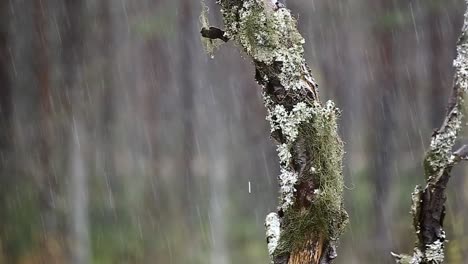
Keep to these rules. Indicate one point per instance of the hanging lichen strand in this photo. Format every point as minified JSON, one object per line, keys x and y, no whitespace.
{"x":428,"y":204}
{"x":310,"y":215}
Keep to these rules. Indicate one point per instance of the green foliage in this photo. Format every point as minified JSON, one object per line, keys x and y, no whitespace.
{"x":113,"y":243}
{"x":393,"y":19}
{"x":245,"y":243}
{"x":160,"y":25}
{"x":21,"y":223}
{"x":116,"y":236}
{"x":359,"y":201}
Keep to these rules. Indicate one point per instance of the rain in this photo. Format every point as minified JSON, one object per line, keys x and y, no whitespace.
{"x":126,"y":137}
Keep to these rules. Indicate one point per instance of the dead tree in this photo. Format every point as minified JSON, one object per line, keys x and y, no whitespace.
{"x":310,"y":216}
{"x":428,"y":203}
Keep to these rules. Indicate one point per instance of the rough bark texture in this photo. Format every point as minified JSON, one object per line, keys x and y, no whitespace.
{"x":428,"y":207}
{"x":310,"y":216}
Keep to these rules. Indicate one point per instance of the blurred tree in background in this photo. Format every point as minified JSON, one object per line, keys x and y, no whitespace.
{"x":121,"y":142}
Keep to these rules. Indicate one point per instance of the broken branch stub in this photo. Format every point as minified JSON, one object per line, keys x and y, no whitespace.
{"x":213,"y":33}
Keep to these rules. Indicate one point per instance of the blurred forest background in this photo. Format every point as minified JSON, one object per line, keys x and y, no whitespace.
{"x":122,"y":141}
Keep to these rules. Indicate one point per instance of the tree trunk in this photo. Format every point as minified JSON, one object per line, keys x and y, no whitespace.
{"x":310,"y":216}
{"x":5,"y":116}
{"x":428,"y":208}
{"x":49,"y":184}
{"x":79,"y":196}
{"x":108,"y":97}
{"x":74,"y":37}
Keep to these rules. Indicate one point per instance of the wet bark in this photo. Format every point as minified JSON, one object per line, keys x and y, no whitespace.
{"x":310,"y":150}
{"x":428,"y":208}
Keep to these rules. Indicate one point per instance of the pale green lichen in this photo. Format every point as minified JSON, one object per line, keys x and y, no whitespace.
{"x":287,"y":180}
{"x":289,"y":122}
{"x":284,"y":154}
{"x":439,"y":156}
{"x":416,"y":258}
{"x":272,"y":224}
{"x":316,"y":124}
{"x":434,"y":252}
{"x":323,"y":141}
{"x":416,"y":208}
{"x":268,"y":36}
{"x":326,"y":213}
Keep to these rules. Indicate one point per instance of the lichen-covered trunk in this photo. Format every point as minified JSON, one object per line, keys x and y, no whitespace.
{"x":310,"y":217}
{"x":428,"y":207}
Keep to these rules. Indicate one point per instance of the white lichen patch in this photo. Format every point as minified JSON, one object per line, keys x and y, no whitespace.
{"x":435,"y":252}
{"x":416,"y":258}
{"x":272,"y":224}
{"x":415,"y":207}
{"x":287,"y":181}
{"x":284,"y":154}
{"x":268,"y":36}
{"x":461,"y":64}
{"x":440,"y":155}
{"x":289,"y":122}
{"x":291,"y":56}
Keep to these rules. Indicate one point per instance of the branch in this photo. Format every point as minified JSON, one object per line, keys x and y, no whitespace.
{"x":461,"y":154}
{"x":310,"y":216}
{"x":213,"y":33}
{"x":428,"y":208}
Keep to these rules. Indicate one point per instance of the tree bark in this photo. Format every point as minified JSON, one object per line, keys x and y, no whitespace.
{"x":428,"y":207}
{"x":48,"y":183}
{"x":310,"y":216}
{"x":74,"y":37}
{"x":5,"y":117}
